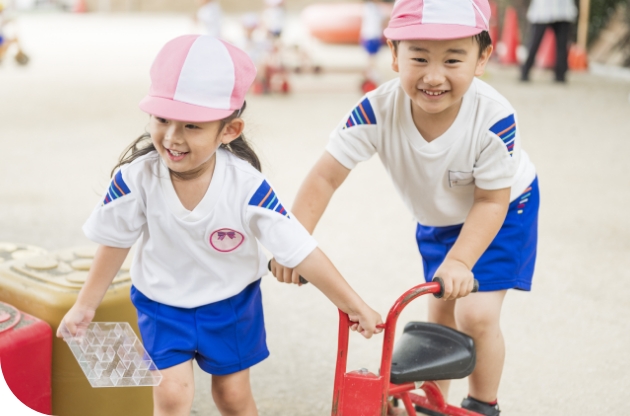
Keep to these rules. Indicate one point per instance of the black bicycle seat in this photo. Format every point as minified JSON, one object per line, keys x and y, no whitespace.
{"x":432,"y":352}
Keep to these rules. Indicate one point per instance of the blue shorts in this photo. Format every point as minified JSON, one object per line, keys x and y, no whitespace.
{"x":224,"y":337}
{"x":371,"y":45}
{"x":1,"y":40}
{"x":508,"y":263}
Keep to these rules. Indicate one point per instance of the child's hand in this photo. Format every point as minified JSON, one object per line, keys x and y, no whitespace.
{"x":284,"y":274}
{"x":75,"y":321}
{"x":457,"y":277}
{"x":366,"y":322}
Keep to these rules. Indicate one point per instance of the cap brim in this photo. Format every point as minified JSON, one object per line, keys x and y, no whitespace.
{"x":431,"y":32}
{"x":177,"y":110}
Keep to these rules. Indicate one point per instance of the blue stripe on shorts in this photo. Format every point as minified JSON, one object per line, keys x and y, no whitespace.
{"x":224,"y":337}
{"x":509,"y":261}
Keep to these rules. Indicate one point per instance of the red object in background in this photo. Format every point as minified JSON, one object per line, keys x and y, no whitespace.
{"x":546,"y":56}
{"x":80,"y":6}
{"x":338,"y":22}
{"x":26,"y":357}
{"x":510,"y":37}
{"x":578,"y":58}
{"x":493,"y":27}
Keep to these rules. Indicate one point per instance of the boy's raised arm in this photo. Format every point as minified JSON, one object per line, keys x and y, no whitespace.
{"x":317,"y":189}
{"x":312,"y":199}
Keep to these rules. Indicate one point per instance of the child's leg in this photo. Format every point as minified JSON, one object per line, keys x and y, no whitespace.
{"x":174,"y":395}
{"x":443,"y":313}
{"x":478,"y":316}
{"x":232,"y":394}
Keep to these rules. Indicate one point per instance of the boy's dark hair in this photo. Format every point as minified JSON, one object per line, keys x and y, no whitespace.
{"x":483,"y":40}
{"x":239,"y":146}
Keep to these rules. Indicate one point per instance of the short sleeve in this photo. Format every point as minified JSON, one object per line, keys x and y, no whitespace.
{"x":119,"y":219}
{"x":498,"y":160}
{"x":353,"y":141}
{"x":276,"y":229}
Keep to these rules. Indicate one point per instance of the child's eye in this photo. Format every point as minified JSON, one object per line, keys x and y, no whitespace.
{"x":422,"y":60}
{"x":191,"y":126}
{"x":453,"y":61}
{"x":161,"y":120}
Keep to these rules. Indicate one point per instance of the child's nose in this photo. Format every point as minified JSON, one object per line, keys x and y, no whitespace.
{"x":174,"y":135}
{"x":433,"y":78}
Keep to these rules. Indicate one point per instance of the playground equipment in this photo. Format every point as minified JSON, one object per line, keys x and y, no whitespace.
{"x":26,"y":352}
{"x":426,"y":352}
{"x":46,"y":286}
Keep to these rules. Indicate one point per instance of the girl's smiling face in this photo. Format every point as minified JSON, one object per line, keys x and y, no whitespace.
{"x":436,"y":74}
{"x":187,"y":147}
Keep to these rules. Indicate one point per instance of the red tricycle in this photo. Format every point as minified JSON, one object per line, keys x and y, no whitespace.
{"x":426,"y":352}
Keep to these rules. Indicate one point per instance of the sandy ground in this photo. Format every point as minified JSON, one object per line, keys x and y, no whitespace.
{"x":65,"y":118}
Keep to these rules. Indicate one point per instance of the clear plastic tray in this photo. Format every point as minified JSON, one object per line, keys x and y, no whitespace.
{"x":111,"y":355}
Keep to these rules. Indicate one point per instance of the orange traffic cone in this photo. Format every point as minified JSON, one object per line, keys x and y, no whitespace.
{"x":80,"y":6}
{"x":578,"y":59}
{"x":546,"y":56}
{"x":510,"y":37}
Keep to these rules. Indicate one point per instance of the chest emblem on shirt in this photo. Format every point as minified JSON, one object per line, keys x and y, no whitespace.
{"x":226,"y":239}
{"x":506,"y":130}
{"x":117,"y":188}
{"x":362,"y":114}
{"x":265,"y":197}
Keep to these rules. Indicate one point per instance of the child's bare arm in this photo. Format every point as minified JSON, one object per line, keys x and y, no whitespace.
{"x":481,"y":226}
{"x":312,"y":199}
{"x":319,"y":270}
{"x":107,"y":263}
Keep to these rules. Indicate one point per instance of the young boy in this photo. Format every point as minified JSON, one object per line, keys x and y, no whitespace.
{"x":451,"y":145}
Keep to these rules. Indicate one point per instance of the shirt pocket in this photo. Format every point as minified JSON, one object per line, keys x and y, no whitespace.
{"x":456,"y":178}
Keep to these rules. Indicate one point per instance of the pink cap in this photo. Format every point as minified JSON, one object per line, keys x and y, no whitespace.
{"x":198,"y":78}
{"x":438,"y":19}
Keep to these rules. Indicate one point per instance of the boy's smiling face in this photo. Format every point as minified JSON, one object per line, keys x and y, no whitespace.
{"x":436,"y":74}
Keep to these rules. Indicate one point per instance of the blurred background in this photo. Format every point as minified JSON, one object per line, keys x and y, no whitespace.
{"x":73,"y":71}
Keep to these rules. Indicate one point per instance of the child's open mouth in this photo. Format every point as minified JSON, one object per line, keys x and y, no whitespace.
{"x":434,"y":93}
{"x":175,"y":155}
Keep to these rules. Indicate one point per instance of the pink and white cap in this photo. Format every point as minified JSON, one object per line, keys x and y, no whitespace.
{"x":198,"y":78}
{"x":437,"y":19}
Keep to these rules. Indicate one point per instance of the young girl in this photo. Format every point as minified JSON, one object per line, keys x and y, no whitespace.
{"x":191,"y":191}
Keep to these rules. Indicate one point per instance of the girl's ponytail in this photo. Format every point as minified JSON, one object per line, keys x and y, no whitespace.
{"x":239,"y":146}
{"x":139,"y":147}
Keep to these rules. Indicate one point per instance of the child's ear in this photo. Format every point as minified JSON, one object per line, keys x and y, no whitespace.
{"x":232,"y":130}
{"x":392,"y":48}
{"x":483,"y":61}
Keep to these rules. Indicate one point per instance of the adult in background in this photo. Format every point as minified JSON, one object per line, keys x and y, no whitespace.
{"x":559,"y":15}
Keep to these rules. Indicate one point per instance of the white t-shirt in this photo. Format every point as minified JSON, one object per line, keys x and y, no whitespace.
{"x":436,"y":179}
{"x":372,"y":22}
{"x":548,"y":11}
{"x":192,"y":258}
{"x":210,"y":16}
{"x":273,"y":18}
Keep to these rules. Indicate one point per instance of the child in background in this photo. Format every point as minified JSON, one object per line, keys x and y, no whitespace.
{"x":191,"y":193}
{"x":274,"y":17}
{"x":210,"y":17}
{"x":6,"y":41}
{"x":451,"y":145}
{"x":371,"y":39}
